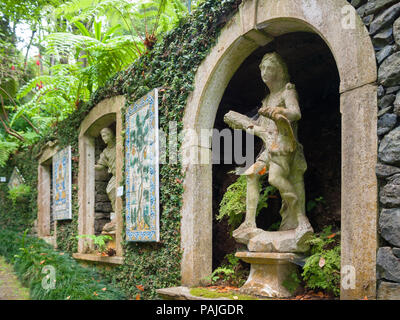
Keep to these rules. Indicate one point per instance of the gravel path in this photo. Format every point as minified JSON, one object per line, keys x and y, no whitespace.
{"x":10,"y":287}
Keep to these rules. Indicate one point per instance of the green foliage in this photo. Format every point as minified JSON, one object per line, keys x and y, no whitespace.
{"x":229,"y":273}
{"x":292,"y":283}
{"x":18,"y":193}
{"x":322,"y":268}
{"x":6,"y":148}
{"x":31,"y":255}
{"x":313,"y":203}
{"x":99,"y":241}
{"x":233,"y":203}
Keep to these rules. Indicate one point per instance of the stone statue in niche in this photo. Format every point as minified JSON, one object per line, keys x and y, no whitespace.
{"x":282,"y":158}
{"x":107,"y":161}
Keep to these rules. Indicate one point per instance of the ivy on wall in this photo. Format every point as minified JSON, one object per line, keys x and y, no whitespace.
{"x":171,"y":66}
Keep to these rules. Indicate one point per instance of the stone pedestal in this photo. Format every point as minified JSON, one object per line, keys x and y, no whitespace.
{"x":267,"y":273}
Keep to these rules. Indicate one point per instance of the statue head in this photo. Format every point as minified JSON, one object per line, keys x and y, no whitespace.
{"x":107,"y":135}
{"x":274,"y":69}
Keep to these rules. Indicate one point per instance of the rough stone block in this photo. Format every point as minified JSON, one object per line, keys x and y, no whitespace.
{"x":388,"y":73}
{"x":389,"y":291}
{"x":389,"y":194}
{"x":388,"y":265}
{"x":389,"y":149}
{"x":384,"y":19}
{"x":389,"y":225}
{"x":385,"y":171}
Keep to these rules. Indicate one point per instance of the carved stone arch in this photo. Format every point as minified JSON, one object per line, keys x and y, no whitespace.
{"x":102,"y":115}
{"x":256,"y":24}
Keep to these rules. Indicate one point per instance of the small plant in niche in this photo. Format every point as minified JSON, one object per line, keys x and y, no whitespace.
{"x":233,"y":204}
{"x":230,"y":273}
{"x":322,"y":268}
{"x":100,"y":243}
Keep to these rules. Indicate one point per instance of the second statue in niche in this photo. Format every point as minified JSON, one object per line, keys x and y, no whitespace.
{"x":107,"y":161}
{"x":282,"y":158}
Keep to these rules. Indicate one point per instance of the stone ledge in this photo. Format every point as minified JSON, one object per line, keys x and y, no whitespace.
{"x":96,"y":258}
{"x":267,"y":257}
{"x":181,"y":293}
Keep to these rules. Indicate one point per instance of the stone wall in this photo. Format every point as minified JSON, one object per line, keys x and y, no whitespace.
{"x":382,"y":18}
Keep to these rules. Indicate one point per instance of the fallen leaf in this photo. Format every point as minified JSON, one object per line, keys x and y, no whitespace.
{"x":331,"y":236}
{"x":104,"y":289}
{"x":43,"y":261}
{"x":140,"y":287}
{"x":138,"y":297}
{"x":321,"y":262}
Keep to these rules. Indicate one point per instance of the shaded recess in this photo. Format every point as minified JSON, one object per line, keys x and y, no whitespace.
{"x":313,"y":70}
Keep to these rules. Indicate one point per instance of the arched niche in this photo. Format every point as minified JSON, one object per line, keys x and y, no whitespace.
{"x":256,"y":24}
{"x":102,"y":115}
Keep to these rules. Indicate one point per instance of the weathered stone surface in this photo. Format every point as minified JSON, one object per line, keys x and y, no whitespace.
{"x":396,"y":31}
{"x":368,"y":19}
{"x":384,"y":19}
{"x":388,"y":265}
{"x":384,"y":53}
{"x":396,"y":104}
{"x":384,"y":170}
{"x":389,"y":149}
{"x":102,"y":175}
{"x":281,"y":241}
{"x":381,"y":91}
{"x":384,"y":111}
{"x":389,"y":291}
{"x":396,"y":252}
{"x":359,"y":189}
{"x":389,"y":224}
{"x":101,"y":197}
{"x":375,"y":5}
{"x":357,"y":3}
{"x":389,"y":194}
{"x":181,"y":293}
{"x":383,"y":38}
{"x":101,"y":215}
{"x":361,"y":10}
{"x":103,"y":207}
{"x":392,"y":90}
{"x":267,"y":274}
{"x":99,"y":224}
{"x":389,"y":71}
{"x":386,"y":123}
{"x":386,"y":101}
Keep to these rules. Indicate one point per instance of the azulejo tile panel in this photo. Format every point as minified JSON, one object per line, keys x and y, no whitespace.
{"x":142,"y":170}
{"x":62,"y":209}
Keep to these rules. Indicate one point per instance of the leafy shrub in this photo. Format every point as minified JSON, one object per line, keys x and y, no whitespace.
{"x":229,"y":273}
{"x":233,"y":203}
{"x":322,"y":268}
{"x":18,"y":193}
{"x":99,"y":241}
{"x":31,"y":255}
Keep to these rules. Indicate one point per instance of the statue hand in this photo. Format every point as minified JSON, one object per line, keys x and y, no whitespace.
{"x":271,"y":112}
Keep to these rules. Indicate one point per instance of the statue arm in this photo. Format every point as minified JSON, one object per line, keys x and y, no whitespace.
{"x":292,"y":109}
{"x":239,"y":121}
{"x":101,"y":163}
